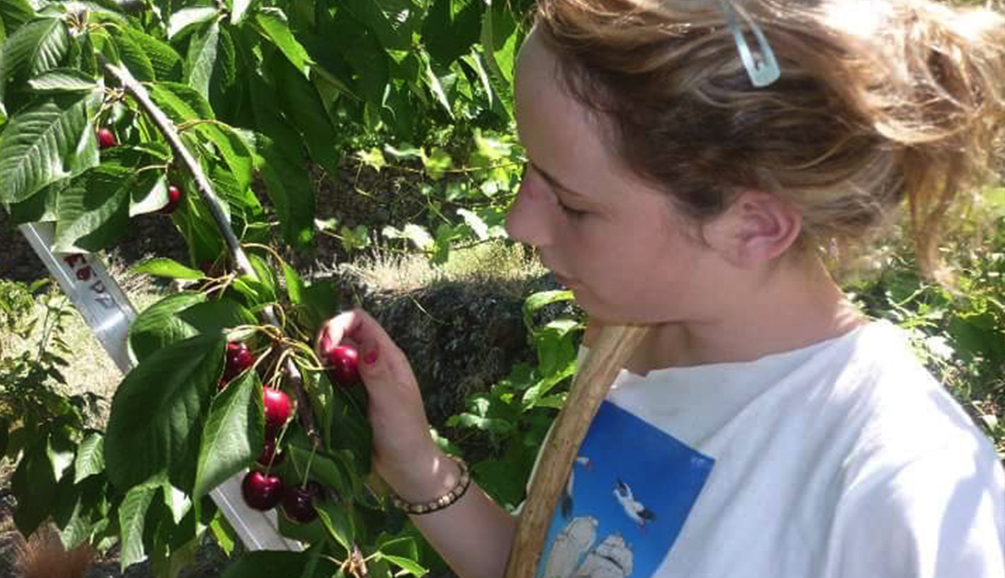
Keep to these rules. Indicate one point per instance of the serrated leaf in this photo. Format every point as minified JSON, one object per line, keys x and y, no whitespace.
{"x":451,"y":27}
{"x":181,"y":102}
{"x":177,"y":501}
{"x":181,"y":316}
{"x":338,"y":524}
{"x":186,"y":17}
{"x":169,"y":268}
{"x":49,"y":142}
{"x":90,"y":457}
{"x":273,"y":24}
{"x":15,"y":13}
{"x":34,"y":486}
{"x":303,"y":106}
{"x":153,"y":426}
{"x":63,"y":80}
{"x":391,"y":20}
{"x":51,"y":48}
{"x":362,"y":50}
{"x":410,"y":566}
{"x":201,"y":60}
{"x":95,"y":211}
{"x":290,"y":190}
{"x":134,"y":56}
{"x":167,"y":64}
{"x":40,"y":207}
{"x":234,"y":149}
{"x":19,"y":53}
{"x":239,"y":10}
{"x":323,"y":469}
{"x":132,"y":517}
{"x":233,"y":435}
{"x":295,"y":288}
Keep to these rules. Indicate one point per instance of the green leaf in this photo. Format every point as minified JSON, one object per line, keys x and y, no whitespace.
{"x":28,"y":51}
{"x":181,"y":102}
{"x":164,"y":267}
{"x":417,"y":234}
{"x":149,"y":195}
{"x":177,"y":501}
{"x":49,"y":142}
{"x":302,"y":105}
{"x":539,"y":300}
{"x":90,"y":457}
{"x":337,"y":522}
{"x":95,"y":211}
{"x":273,"y":25}
{"x":451,"y":27}
{"x":392,"y":20}
{"x":233,"y":435}
{"x":410,"y":566}
{"x":167,"y":64}
{"x":186,"y":17}
{"x":323,"y":469}
{"x":181,"y":316}
{"x":295,"y":287}
{"x":362,"y":50}
{"x":63,"y":80}
{"x":153,"y":426}
{"x":201,"y":58}
{"x":234,"y":149}
{"x":499,"y":40}
{"x":290,"y":190}
{"x":134,"y":55}
{"x":132,"y":517}
{"x":15,"y":13}
{"x":40,"y":207}
{"x":34,"y":486}
{"x":239,"y":10}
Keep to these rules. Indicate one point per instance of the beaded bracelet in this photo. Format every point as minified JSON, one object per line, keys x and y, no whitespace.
{"x":455,"y":493}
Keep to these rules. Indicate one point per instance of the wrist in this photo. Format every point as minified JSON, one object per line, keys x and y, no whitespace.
{"x":423,"y":478}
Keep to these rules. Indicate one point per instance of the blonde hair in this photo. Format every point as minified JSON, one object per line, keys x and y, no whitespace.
{"x":879,"y":101}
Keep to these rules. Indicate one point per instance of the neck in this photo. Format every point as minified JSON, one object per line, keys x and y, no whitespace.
{"x":795,"y":306}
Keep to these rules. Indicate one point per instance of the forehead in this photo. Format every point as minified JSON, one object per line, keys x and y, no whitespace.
{"x":559,"y":133}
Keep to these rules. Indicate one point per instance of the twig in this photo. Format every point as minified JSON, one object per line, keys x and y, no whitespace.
{"x":205,"y":190}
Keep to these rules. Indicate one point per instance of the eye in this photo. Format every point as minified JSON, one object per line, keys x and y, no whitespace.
{"x":569,"y":211}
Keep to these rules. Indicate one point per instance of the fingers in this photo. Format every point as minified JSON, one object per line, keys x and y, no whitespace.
{"x":377,"y":352}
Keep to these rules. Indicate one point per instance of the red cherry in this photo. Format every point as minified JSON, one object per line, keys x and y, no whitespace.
{"x":343,"y":367}
{"x":277,"y":409}
{"x":175,"y":195}
{"x":260,"y":491}
{"x":239,"y":358}
{"x":270,"y":454}
{"x":106,"y":138}
{"x":298,"y":502}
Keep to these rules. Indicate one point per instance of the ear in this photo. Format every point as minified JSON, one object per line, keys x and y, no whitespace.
{"x":756,"y":228}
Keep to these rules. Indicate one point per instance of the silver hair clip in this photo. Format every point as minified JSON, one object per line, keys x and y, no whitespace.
{"x":762,"y":67}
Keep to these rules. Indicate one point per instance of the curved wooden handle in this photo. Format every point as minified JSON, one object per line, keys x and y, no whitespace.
{"x":589,"y":388}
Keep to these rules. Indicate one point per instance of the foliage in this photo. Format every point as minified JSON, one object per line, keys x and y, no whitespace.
{"x":516,"y":413}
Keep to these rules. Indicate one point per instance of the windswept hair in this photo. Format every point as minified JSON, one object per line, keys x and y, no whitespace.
{"x":880,"y":104}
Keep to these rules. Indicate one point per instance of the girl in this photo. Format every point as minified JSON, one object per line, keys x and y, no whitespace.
{"x":695,"y":166}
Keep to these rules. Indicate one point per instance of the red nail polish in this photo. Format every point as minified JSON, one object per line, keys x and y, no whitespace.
{"x":370,"y":357}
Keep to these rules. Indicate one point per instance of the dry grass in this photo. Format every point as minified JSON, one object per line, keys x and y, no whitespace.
{"x":493,"y":261}
{"x":43,"y":556}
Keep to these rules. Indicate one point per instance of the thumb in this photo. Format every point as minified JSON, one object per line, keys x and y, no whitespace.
{"x":378,"y":356}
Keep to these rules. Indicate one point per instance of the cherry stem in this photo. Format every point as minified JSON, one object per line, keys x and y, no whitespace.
{"x":307,"y":470}
{"x":205,"y":190}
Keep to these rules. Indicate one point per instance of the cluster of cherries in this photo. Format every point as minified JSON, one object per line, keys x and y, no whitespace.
{"x":107,"y":140}
{"x":262,"y":490}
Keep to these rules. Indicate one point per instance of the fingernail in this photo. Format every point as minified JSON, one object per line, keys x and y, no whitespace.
{"x":370,"y":357}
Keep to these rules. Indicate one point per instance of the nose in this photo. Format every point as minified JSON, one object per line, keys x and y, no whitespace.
{"x":528,"y":217}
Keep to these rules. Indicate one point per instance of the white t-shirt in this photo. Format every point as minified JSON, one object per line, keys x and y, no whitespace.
{"x":845,"y":459}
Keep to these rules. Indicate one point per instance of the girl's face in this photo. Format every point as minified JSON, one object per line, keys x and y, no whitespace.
{"x":615,"y":241}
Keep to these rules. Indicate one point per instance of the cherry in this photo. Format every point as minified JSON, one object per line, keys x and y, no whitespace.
{"x":277,"y":409}
{"x":343,"y":369}
{"x":298,"y":502}
{"x":270,"y":454}
{"x":106,"y":138}
{"x":239,"y":358}
{"x":175,"y":195}
{"x":261,"y":491}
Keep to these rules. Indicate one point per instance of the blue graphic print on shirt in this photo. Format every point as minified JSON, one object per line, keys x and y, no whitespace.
{"x":631,"y":489}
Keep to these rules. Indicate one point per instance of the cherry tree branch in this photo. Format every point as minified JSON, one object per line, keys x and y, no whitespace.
{"x":167,"y":128}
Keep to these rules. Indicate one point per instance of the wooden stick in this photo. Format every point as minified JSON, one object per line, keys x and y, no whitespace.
{"x":589,"y":388}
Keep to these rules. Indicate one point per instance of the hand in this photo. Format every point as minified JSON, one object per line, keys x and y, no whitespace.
{"x":404,"y":454}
